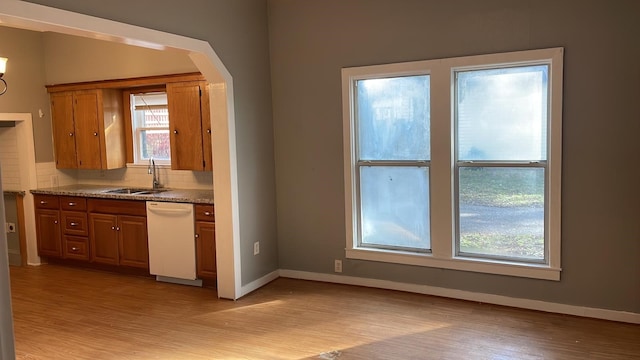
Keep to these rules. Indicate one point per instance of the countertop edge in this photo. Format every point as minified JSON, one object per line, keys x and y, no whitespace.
{"x":14,"y":192}
{"x":92,"y":191}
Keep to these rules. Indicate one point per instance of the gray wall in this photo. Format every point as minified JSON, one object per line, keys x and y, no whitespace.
{"x":312,"y":40}
{"x":237,"y":31}
{"x":25,"y":80}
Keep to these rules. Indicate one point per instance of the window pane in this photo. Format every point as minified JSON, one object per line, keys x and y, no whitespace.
{"x":393,"y":118}
{"x":152,"y":118}
{"x":395,"y":206}
{"x":502,"y":113}
{"x":502,"y":212}
{"x":154,"y":144}
{"x":150,"y":125}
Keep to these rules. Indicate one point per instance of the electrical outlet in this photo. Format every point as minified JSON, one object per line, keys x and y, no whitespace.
{"x":256,"y":248}
{"x":337,"y":266}
{"x":11,"y":227}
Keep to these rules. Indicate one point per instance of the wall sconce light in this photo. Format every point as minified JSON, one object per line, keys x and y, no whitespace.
{"x":3,"y":67}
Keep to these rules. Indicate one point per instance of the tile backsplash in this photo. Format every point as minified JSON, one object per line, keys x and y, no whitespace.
{"x":132,"y":176}
{"x":9,"y":158}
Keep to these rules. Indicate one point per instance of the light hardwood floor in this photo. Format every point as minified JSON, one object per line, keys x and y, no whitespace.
{"x":67,"y":313}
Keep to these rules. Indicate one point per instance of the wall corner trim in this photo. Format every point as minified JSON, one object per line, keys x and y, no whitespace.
{"x":597,"y":313}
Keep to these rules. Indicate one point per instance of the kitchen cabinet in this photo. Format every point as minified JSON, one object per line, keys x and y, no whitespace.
{"x":88,"y":129}
{"x":75,"y":228}
{"x":118,"y":232}
{"x":205,"y":241}
{"x":47,"y":216}
{"x":189,"y":125}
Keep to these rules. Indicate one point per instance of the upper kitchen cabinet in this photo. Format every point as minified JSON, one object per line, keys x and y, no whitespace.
{"x":190,"y":126}
{"x":88,"y":129}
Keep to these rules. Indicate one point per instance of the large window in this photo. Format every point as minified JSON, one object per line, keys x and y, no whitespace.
{"x":150,"y":126}
{"x":393,"y":162}
{"x":455,"y":163}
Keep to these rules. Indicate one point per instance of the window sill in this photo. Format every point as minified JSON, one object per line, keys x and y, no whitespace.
{"x":146,"y":166}
{"x":534,"y":271}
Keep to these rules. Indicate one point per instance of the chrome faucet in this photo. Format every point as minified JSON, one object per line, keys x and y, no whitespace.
{"x":151,"y":170}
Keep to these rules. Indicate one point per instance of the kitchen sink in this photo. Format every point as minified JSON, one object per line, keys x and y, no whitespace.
{"x":135,"y":191}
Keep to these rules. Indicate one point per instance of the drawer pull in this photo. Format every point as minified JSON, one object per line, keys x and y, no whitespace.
{"x":42,"y":202}
{"x":75,"y":249}
{"x":208,"y":213}
{"x":72,"y":204}
{"x":74,"y":224}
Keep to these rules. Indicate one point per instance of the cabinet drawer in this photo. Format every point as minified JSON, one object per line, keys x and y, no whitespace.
{"x":73,"y":203}
{"x":76,"y":247}
{"x":117,"y":207}
{"x":46,"y":202}
{"x":75,"y":223}
{"x":204,"y":212}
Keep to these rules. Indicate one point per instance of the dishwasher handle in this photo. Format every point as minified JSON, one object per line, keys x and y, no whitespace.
{"x":170,"y":211}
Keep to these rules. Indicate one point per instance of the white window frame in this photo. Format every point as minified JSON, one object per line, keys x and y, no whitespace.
{"x":443,"y":217}
{"x":137,"y":156}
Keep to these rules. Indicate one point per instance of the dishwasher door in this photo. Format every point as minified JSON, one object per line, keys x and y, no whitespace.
{"x":172,"y":248}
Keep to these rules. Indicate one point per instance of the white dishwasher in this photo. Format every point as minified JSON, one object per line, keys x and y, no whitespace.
{"x":172,"y":248}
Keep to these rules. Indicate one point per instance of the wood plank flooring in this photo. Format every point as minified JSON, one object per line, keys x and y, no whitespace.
{"x":67,"y":313}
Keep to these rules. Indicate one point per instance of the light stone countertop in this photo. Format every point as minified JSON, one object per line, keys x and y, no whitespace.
{"x":101,"y":191}
{"x":13,"y":192}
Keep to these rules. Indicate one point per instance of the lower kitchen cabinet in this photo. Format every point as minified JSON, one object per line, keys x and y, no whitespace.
{"x":118,"y":236}
{"x":48,"y":230}
{"x":132,"y":241}
{"x":47,"y":216}
{"x":205,"y":241}
{"x":119,"y":240}
{"x":104,"y":238}
{"x":205,"y":249}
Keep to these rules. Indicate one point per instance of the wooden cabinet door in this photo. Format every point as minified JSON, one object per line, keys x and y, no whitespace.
{"x":48,"y":233}
{"x":205,"y":115}
{"x":64,"y":133}
{"x":103,"y":237}
{"x":185,"y":126}
{"x":132,"y":239}
{"x":205,"y":249}
{"x":86,"y":110}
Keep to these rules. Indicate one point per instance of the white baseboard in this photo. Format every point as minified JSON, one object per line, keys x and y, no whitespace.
{"x":596,"y":313}
{"x":256,"y":284}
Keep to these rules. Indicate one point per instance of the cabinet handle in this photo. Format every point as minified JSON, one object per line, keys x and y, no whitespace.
{"x":197,"y":236}
{"x":72,"y":204}
{"x":207,"y":213}
{"x":208,"y":131}
{"x":175,"y":132}
{"x":95,"y":133}
{"x":74,"y":249}
{"x":74,"y":224}
{"x":113,"y":228}
{"x":118,"y":228}
{"x":55,"y":221}
{"x":70,"y":134}
{"x":42,"y":202}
